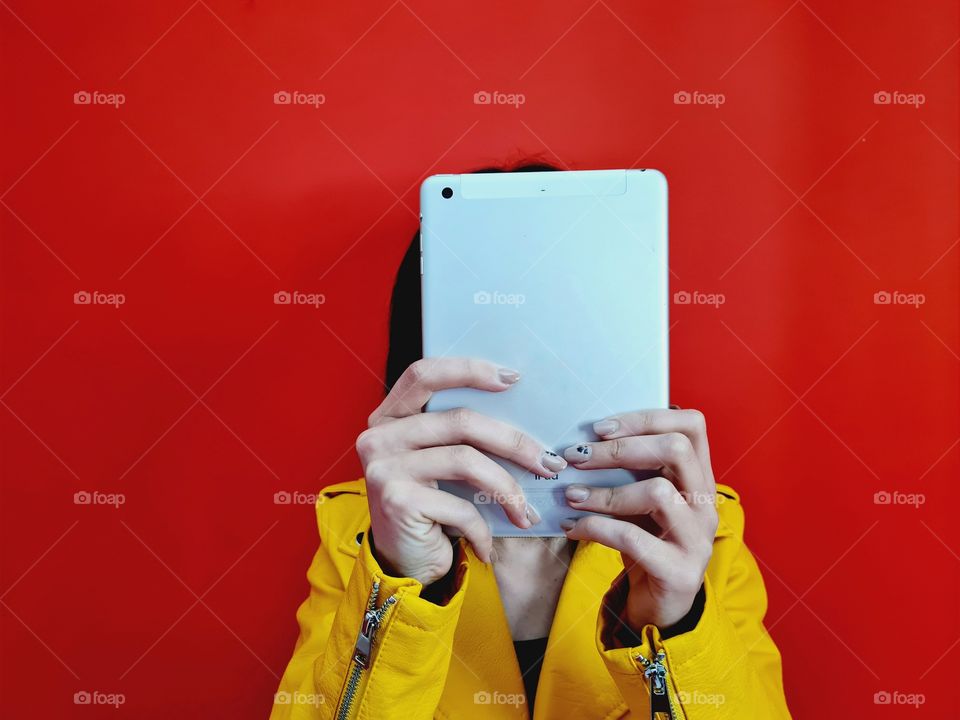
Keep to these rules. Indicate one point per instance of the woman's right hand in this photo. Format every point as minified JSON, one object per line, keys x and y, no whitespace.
{"x":405,"y":452}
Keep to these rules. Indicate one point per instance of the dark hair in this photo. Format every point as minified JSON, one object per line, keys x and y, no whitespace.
{"x":406,"y":342}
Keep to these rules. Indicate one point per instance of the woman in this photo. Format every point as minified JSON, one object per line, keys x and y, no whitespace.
{"x":654,"y":611}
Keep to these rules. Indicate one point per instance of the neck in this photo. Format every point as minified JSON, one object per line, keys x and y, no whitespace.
{"x":530,"y":573}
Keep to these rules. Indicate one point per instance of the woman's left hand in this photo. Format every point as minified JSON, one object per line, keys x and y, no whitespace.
{"x":666,"y":558}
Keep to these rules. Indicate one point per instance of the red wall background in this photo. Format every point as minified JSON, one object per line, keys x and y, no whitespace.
{"x":198,"y":399}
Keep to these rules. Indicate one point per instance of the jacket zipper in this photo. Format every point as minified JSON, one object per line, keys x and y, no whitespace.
{"x":372,"y":619}
{"x":655,"y":670}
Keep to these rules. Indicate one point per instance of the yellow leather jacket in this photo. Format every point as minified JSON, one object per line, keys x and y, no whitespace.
{"x":371,"y":647}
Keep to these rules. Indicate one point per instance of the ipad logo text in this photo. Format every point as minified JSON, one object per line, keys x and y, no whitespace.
{"x":695,"y":97}
{"x":295,"y":97}
{"x":84,"y":97}
{"x":895,"y":297}
{"x":295,"y":297}
{"x":695,"y":297}
{"x":483,"y":97}
{"x":895,"y":97}
{"x":495,"y":297}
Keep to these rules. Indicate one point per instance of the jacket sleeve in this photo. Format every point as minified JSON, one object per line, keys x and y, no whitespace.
{"x":726,"y":665}
{"x":411,"y":650}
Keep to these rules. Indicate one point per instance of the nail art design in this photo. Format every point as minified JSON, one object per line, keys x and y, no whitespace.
{"x":552,"y":462}
{"x":578,"y":453}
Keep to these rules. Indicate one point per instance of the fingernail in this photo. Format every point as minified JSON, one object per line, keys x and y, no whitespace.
{"x":493,"y":556}
{"x":577,"y":454}
{"x":605,"y":427}
{"x":567,"y":524}
{"x":577,"y":493}
{"x":551,"y":461}
{"x":532,"y":515}
{"x":508,"y":376}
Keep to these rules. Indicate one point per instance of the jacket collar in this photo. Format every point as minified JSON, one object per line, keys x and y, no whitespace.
{"x":573,"y":681}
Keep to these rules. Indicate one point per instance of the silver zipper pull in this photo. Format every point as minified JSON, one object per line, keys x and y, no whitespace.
{"x":369,"y":626}
{"x":656,"y":672}
{"x":368,"y":629}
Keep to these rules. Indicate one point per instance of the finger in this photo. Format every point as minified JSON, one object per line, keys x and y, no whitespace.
{"x":658,"y":422}
{"x":455,"y":427}
{"x":656,"y":497}
{"x":634,"y":542}
{"x":467,"y":464}
{"x":424,"y":377}
{"x":674,"y":452}
{"x":462,"y":515}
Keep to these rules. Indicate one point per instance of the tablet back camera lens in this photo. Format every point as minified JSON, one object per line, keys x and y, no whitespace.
{"x":447,"y":193}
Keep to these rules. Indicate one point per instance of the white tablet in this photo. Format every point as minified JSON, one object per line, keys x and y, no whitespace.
{"x":562,"y":276}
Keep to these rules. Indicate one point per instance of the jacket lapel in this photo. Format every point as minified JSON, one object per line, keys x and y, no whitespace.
{"x":484,"y":678}
{"x":574,"y":682}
